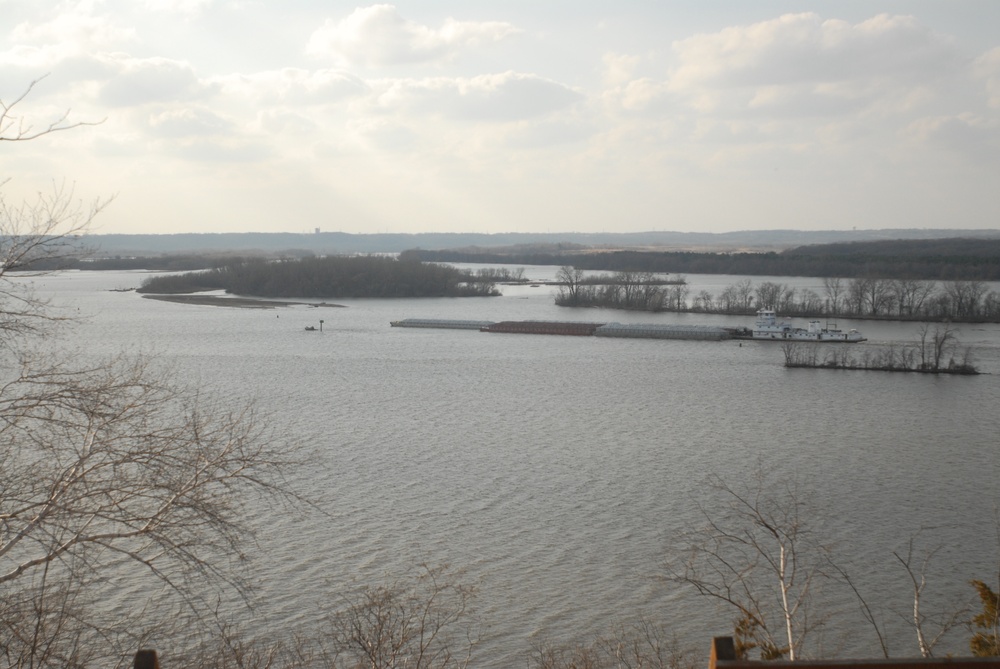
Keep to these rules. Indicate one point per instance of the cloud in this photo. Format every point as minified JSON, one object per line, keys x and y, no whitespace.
{"x":294,"y":86}
{"x":802,"y":54}
{"x":618,"y":68}
{"x":963,"y":135}
{"x":283,"y":121}
{"x":183,"y":7}
{"x":797,"y":48}
{"x":188,"y":122}
{"x":987,"y":68}
{"x":74,"y":31}
{"x":508,"y":96}
{"x":141,"y":81}
{"x":378,"y":36}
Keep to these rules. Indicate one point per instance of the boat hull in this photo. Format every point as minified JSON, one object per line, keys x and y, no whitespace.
{"x":804,"y":335}
{"x":769,"y":328}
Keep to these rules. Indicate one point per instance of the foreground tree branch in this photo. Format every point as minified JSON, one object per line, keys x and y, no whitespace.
{"x":918,"y":578}
{"x":113,"y":465}
{"x":15,"y":128}
{"x":111,"y":471}
{"x":756,"y":556}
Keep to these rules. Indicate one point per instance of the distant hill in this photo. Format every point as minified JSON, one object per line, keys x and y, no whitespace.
{"x":249,"y":243}
{"x":931,"y":259}
{"x":953,"y":247}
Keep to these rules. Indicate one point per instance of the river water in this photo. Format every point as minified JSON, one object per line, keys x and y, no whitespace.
{"x":559,"y":472}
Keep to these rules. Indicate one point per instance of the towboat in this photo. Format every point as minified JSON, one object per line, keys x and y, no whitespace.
{"x":768,"y":327}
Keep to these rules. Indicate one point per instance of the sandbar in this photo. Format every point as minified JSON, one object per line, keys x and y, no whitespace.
{"x":238,"y":302}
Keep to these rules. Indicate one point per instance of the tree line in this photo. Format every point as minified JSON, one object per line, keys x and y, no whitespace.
{"x":861,"y":297}
{"x":332,"y":276}
{"x":939,"y":260}
{"x":636,"y":291}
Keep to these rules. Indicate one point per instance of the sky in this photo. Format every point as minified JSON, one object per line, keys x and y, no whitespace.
{"x":507,"y":116}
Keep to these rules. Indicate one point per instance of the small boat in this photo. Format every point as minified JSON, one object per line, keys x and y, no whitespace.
{"x":310,"y":328}
{"x":768,"y":327}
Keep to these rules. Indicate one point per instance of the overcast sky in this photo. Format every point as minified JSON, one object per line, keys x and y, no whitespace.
{"x":510,"y":115}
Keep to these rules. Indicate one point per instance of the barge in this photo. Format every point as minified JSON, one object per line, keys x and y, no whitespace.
{"x":767,"y":328}
{"x":571,"y":328}
{"x":440,"y":323}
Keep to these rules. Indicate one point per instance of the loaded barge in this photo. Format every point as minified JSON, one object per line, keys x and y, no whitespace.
{"x":766,"y":329}
{"x":575,"y":328}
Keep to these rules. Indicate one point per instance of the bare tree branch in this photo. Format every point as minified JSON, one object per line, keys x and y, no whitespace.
{"x":756,"y":556}
{"x":18,"y":129}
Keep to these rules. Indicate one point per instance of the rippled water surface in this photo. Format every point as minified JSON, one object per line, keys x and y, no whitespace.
{"x":559,"y":471}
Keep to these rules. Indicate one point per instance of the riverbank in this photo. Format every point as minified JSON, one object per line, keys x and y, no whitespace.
{"x":237,"y":302}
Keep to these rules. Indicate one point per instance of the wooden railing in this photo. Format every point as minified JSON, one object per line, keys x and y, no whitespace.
{"x":723,"y":656}
{"x":146,"y":659}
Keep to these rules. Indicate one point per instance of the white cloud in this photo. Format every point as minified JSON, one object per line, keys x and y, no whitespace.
{"x":285,"y":121}
{"x":508,"y":96}
{"x":803,"y":54}
{"x":141,"y":81}
{"x":378,"y":36}
{"x":188,"y":122}
{"x":961,"y":135}
{"x":618,"y":68}
{"x":639,"y":94}
{"x":294,"y":86}
{"x":74,"y":31}
{"x":183,"y":7}
{"x":620,"y":115}
{"x":987,"y":69}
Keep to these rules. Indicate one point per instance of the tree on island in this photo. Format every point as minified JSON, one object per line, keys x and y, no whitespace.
{"x":330,"y":277}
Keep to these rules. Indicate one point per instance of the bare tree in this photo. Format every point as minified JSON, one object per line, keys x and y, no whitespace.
{"x":112,"y":470}
{"x":109,"y":469}
{"x":38,"y":233}
{"x":678,"y":295}
{"x":14,"y":128}
{"x":757,"y":556}
{"x":769,"y":294}
{"x":834,"y":289}
{"x":875,"y":294}
{"x":854,"y":296}
{"x":966,"y":297}
{"x":571,"y":284}
{"x":728,"y":299}
{"x":809,"y":302}
{"x":910,"y":295}
{"x":918,"y":577}
{"x":936,"y":343}
{"x":744,"y":294}
{"x":32,"y":233}
{"x":653,"y":295}
{"x":626,"y":646}
{"x":629,"y":284}
{"x":425,"y":624}
{"x":704,"y":301}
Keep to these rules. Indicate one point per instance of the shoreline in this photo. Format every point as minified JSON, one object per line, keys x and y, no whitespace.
{"x":237,"y":302}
